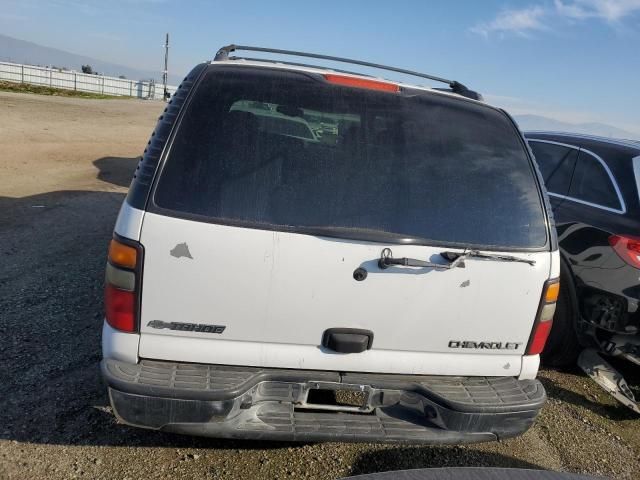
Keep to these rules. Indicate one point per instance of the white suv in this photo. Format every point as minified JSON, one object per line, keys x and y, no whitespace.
{"x":392,"y":281}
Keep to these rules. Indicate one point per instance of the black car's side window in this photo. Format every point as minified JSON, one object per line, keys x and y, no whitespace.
{"x":592,"y":183}
{"x":556,"y":163}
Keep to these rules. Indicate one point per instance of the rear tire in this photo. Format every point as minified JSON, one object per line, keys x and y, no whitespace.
{"x":562,"y":348}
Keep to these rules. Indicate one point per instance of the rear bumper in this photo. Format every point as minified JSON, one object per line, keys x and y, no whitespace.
{"x":258,"y":403}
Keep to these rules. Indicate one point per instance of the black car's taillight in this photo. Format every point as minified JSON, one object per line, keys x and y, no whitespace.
{"x":627,"y":248}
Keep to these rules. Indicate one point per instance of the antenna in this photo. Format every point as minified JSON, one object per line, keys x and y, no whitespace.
{"x":165,"y":92}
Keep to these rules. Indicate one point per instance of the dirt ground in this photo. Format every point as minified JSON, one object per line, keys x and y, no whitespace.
{"x":65,"y":165}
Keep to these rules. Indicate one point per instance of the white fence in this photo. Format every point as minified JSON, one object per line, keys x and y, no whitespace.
{"x":82,"y":82}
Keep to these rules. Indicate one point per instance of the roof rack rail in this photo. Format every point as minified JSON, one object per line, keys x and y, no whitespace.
{"x":297,"y":64}
{"x":455,"y":86}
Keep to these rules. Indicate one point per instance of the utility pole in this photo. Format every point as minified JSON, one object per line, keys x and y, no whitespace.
{"x":165,"y":93}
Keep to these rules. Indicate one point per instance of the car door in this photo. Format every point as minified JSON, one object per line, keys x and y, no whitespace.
{"x":582,"y":194}
{"x":589,"y":212}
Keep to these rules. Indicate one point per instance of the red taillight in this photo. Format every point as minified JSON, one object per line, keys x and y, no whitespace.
{"x":544,"y":319}
{"x":120,"y":308}
{"x":627,"y":248}
{"x":539,"y":337}
{"x":361,"y":83}
{"x":122,"y":285}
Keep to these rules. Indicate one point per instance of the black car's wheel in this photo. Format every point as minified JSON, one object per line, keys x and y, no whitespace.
{"x":562,"y":348}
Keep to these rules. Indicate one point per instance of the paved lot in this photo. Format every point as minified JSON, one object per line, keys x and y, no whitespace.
{"x":64,"y":168}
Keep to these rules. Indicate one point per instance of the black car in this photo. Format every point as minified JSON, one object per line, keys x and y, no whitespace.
{"x":594,"y":186}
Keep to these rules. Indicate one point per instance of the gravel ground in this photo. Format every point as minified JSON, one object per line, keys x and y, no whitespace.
{"x":65,"y":165}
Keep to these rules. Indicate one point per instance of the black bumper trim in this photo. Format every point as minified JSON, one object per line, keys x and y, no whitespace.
{"x":219,"y":382}
{"x":255,"y":403}
{"x":280,"y":421}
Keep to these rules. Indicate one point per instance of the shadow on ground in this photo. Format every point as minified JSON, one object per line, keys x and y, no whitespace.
{"x":116,"y":170}
{"x":611,"y":410}
{"x":405,"y":458}
{"x":52,"y":252}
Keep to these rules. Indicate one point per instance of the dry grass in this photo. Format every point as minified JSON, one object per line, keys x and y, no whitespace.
{"x":59,"y":92}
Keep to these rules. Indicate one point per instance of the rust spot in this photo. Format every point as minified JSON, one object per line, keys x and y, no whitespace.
{"x":181,"y":250}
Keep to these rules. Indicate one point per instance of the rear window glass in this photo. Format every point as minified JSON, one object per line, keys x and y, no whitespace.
{"x":285,"y":150}
{"x":591,"y":183}
{"x":556,"y":163}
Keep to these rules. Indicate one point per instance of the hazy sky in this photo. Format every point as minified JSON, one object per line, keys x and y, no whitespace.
{"x":574,"y":60}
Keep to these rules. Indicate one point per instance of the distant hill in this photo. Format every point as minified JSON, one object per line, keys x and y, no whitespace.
{"x":537,"y":122}
{"x":20,"y":51}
